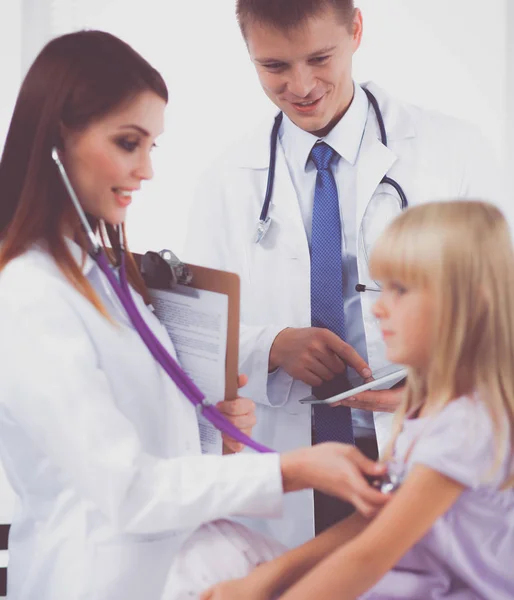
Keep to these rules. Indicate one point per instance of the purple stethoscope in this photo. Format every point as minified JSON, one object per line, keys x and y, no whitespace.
{"x":161,"y":355}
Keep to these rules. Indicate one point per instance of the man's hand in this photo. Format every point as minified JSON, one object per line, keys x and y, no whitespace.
{"x":335,"y":469}
{"x":314,"y":355}
{"x":375,"y":400}
{"x":241,"y":413}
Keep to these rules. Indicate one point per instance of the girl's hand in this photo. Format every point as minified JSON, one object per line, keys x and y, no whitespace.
{"x":235,"y":589}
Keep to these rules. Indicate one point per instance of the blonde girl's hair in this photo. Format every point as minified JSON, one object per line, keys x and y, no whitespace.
{"x":462,"y":252}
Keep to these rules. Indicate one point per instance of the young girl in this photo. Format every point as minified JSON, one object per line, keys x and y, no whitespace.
{"x":446,"y":311}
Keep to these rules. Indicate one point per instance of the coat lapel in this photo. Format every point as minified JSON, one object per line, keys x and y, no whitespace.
{"x":375,"y":159}
{"x":287,"y":232}
{"x":373,"y":163}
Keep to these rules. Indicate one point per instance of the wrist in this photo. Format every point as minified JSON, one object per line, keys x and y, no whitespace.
{"x":264,"y":578}
{"x":274,"y":353}
{"x":294,"y":468}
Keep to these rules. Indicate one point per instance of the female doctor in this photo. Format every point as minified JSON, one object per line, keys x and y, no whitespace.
{"x":98,"y":443}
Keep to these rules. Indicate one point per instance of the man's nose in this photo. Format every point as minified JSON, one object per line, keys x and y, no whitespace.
{"x":301,"y":82}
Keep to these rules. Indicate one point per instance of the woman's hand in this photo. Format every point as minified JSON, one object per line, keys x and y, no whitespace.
{"x":336,"y":469}
{"x":241,"y":413}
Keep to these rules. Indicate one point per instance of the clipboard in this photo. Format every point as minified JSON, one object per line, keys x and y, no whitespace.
{"x":164,"y":271}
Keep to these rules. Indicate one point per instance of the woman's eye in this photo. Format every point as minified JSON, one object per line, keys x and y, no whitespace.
{"x":127,"y":145}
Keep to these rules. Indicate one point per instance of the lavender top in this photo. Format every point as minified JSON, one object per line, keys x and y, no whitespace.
{"x":469,"y":552}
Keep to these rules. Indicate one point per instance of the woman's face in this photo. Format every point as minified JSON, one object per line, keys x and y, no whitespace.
{"x":107,"y":161}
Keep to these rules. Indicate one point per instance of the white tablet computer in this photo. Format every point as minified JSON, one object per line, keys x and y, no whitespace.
{"x":384,"y":379}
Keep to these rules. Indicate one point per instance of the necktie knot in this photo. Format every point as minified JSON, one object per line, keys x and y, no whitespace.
{"x":322,"y":156}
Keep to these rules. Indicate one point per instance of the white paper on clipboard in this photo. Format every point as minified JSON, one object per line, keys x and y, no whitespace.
{"x":196,"y":321}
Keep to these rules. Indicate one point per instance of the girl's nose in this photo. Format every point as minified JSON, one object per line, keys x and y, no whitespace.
{"x":378,"y":307}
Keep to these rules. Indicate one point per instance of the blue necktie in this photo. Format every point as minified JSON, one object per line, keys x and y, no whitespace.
{"x":327,"y":303}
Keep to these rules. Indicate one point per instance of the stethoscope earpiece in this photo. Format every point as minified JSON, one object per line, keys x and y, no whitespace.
{"x":360,"y":287}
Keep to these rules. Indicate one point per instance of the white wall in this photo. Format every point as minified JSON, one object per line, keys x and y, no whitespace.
{"x":442,"y":54}
{"x":445,"y":54}
{"x":10,"y":61}
{"x":509,"y":97}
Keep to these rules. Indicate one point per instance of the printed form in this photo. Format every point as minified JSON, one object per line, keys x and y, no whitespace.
{"x":197,"y":323}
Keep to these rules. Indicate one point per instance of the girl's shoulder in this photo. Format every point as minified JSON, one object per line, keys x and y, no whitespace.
{"x":461,"y":441}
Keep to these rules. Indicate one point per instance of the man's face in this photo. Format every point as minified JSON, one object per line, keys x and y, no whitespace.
{"x":307,"y":71}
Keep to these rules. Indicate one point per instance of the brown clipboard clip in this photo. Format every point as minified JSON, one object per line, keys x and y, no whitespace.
{"x":163,"y":270}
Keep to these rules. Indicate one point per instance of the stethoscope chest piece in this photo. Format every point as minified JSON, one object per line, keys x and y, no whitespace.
{"x":262,"y":229}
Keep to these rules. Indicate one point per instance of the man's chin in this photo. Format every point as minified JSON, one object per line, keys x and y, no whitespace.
{"x":309,"y":124}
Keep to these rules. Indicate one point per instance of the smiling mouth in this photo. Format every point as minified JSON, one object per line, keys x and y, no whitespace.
{"x":306,"y":107}
{"x":124,"y":197}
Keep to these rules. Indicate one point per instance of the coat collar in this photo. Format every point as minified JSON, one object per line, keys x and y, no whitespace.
{"x":81,"y":257}
{"x":83,"y":260}
{"x":345,"y":138}
{"x":254,"y":149}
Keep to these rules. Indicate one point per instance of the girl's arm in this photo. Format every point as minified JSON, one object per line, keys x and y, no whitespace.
{"x":351,"y":570}
{"x":279,"y":574}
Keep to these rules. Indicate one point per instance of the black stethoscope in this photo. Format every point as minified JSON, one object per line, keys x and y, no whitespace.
{"x":264,"y":219}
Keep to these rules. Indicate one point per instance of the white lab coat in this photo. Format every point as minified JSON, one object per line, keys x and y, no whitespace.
{"x":100,"y":447}
{"x":433,"y":157}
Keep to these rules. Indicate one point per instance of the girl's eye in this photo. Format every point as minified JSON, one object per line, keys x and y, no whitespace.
{"x":127,"y":145}
{"x":398,"y":288}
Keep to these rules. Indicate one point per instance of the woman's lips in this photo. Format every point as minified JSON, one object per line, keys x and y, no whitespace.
{"x":123,"y":198}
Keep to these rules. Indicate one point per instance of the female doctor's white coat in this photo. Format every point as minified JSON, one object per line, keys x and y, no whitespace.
{"x":433,"y":157}
{"x":100,"y":447}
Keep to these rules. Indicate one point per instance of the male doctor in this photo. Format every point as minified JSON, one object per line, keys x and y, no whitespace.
{"x":302,"y":321}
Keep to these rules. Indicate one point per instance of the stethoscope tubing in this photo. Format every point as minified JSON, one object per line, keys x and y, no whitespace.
{"x":122,"y":290}
{"x":163,"y":357}
{"x":263,"y":218}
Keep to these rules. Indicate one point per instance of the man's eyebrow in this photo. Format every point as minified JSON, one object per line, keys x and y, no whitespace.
{"x":268,"y":60}
{"x":322,"y":51}
{"x":314,"y":54}
{"x":137,"y":128}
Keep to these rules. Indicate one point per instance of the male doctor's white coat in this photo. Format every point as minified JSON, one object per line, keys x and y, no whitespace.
{"x":432,"y":156}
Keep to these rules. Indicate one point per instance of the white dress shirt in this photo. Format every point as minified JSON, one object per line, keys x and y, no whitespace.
{"x":345,"y":138}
